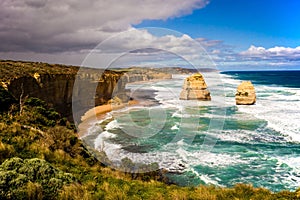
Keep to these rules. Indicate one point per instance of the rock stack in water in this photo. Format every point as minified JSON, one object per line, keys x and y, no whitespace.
{"x":245,"y":94}
{"x":195,"y":88}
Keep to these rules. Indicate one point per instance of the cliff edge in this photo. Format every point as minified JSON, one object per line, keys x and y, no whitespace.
{"x":54,"y":84}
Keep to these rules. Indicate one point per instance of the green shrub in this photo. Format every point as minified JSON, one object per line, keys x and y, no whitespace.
{"x":35,"y":102}
{"x":37,"y":178}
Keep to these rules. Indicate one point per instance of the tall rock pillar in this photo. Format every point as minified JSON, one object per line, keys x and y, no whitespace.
{"x":245,"y":94}
{"x":195,"y":88}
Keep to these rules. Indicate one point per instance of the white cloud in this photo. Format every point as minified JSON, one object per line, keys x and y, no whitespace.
{"x":138,"y":46}
{"x":257,"y":57}
{"x":277,"y":53}
{"x":70,"y":25}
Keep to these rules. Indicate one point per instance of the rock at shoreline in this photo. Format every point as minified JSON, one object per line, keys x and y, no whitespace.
{"x":195,"y":88}
{"x":245,"y":94}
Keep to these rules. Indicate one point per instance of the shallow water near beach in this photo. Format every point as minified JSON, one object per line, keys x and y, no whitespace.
{"x":258,"y":144}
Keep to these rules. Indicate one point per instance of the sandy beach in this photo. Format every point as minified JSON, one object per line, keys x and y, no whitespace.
{"x":97,"y":113}
{"x":140,"y":97}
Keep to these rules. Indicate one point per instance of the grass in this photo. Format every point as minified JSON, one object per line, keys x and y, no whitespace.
{"x":14,"y":69}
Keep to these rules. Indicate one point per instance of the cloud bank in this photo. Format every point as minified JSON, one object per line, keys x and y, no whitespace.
{"x":275,"y":53}
{"x":65,"y":31}
{"x":50,"y":26}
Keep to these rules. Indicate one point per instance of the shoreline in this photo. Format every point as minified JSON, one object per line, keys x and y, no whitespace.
{"x":141,"y":97}
{"x":98,"y":113}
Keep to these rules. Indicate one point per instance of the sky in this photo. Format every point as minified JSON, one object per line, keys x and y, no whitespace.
{"x":230,"y":34}
{"x":241,"y":23}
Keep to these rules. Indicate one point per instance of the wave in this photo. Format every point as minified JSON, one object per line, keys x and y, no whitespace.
{"x":279,"y":106}
{"x":102,"y":144}
{"x":112,"y":125}
{"x":281,"y":116}
{"x":175,"y":127}
{"x":247,"y":136}
{"x":291,"y":164}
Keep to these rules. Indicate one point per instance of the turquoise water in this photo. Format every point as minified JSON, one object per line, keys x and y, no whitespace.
{"x":213,"y":142}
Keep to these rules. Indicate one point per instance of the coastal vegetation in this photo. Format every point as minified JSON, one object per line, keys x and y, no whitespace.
{"x":10,"y":69}
{"x":41,"y":157}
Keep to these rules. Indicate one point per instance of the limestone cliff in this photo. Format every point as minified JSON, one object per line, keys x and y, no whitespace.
{"x":54,"y":83}
{"x":245,"y":94}
{"x":56,"y":89}
{"x":195,"y":88}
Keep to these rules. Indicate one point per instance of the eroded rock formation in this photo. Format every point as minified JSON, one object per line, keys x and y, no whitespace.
{"x":195,"y":88}
{"x":245,"y":94}
{"x":55,"y":83}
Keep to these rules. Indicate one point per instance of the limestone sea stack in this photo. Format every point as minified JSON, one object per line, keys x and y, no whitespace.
{"x":245,"y":94}
{"x":195,"y":88}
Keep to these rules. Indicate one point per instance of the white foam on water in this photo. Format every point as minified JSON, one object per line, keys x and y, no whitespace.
{"x":177,"y":114}
{"x":175,"y":127}
{"x":166,"y":160}
{"x":181,"y":152}
{"x":281,"y":116}
{"x":214,"y":159}
{"x":102,"y":144}
{"x":181,"y":114}
{"x":208,"y":180}
{"x":291,"y":161}
{"x":173,"y":158}
{"x":227,"y":79}
{"x":112,"y":125}
{"x":246,"y":136}
{"x":292,"y":177}
{"x":279,"y":106}
{"x":93,"y":129}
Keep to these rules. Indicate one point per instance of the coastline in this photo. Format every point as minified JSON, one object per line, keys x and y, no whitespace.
{"x":98,"y":113}
{"x":141,"y":97}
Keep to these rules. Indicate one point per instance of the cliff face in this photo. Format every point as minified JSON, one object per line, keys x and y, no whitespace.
{"x":56,"y":89}
{"x":55,"y":85}
{"x":245,"y":94}
{"x":195,"y":88}
{"x":93,"y":89}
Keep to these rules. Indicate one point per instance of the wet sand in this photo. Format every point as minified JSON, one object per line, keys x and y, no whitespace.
{"x":139,"y":97}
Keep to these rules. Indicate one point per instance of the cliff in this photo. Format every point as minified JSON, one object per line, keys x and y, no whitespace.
{"x":195,"y":88}
{"x":245,"y":94}
{"x":54,"y":83}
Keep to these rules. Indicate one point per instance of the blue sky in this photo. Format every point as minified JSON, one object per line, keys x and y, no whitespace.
{"x":241,"y":23}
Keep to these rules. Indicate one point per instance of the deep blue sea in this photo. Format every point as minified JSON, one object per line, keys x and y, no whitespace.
{"x":213,"y":142}
{"x":273,"y":78}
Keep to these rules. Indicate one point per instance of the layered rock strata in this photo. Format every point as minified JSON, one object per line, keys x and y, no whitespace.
{"x":55,"y":83}
{"x":245,"y":94}
{"x":195,"y":88}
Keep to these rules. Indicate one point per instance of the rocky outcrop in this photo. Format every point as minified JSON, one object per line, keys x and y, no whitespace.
{"x":245,"y":94}
{"x":195,"y":88}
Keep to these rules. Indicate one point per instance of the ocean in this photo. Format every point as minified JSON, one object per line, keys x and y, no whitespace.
{"x":213,"y":142}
